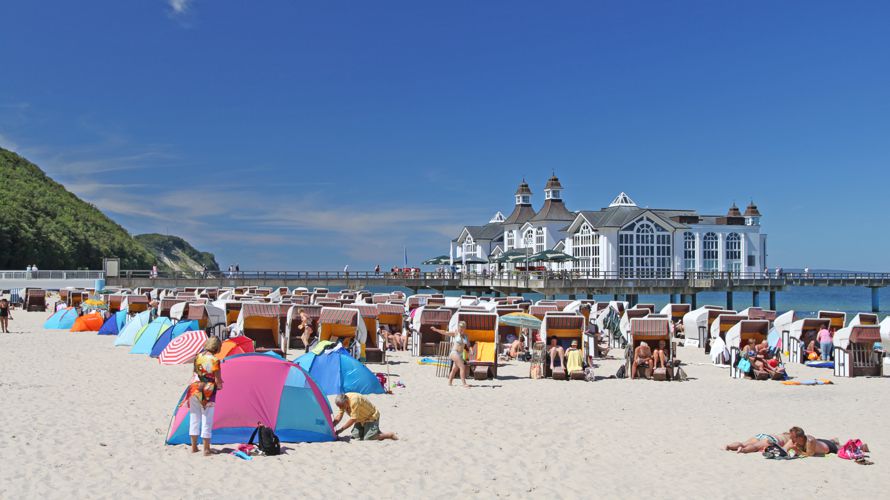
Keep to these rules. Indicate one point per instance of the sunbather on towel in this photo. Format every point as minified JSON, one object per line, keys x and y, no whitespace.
{"x":642,"y":356}
{"x":574,"y":359}
{"x":556,"y":350}
{"x":759,"y":442}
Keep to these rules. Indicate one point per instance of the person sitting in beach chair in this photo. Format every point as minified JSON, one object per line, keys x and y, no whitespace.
{"x":574,"y":361}
{"x":659,"y":359}
{"x":393,"y":340}
{"x":642,"y":358}
{"x":517,"y":348}
{"x":759,"y":442}
{"x":812,"y":351}
{"x":364,"y":418}
{"x":555,"y":351}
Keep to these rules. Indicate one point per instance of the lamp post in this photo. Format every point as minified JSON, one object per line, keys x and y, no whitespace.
{"x":528,"y":242}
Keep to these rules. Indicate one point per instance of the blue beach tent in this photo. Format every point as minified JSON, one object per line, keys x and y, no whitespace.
{"x":127,"y":335}
{"x":171,"y":333}
{"x":114,"y":324}
{"x":148,"y":335}
{"x":336,"y":372}
{"x":61,"y":320}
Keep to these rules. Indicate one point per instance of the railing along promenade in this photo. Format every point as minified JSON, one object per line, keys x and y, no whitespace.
{"x":572,"y":283}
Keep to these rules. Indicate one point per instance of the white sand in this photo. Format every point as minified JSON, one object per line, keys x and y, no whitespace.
{"x":82,"y":418}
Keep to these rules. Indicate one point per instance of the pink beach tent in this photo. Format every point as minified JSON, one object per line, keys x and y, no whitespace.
{"x":262,"y":388}
{"x":183,"y":348}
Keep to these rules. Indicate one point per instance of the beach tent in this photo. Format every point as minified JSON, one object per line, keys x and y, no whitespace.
{"x":88,"y":323}
{"x":114,"y":324}
{"x":266,"y":389}
{"x":148,"y":335}
{"x":171,"y":333}
{"x":61,"y":320}
{"x":127,"y":335}
{"x":336,"y":372}
{"x":235,"y":345}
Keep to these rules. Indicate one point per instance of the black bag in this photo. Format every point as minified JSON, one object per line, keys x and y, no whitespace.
{"x":268,"y":442}
{"x":622,"y":372}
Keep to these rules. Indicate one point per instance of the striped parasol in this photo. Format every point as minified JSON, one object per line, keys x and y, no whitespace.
{"x":183,"y":348}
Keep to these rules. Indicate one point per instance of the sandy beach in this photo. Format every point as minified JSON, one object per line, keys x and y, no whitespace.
{"x":85,"y":419}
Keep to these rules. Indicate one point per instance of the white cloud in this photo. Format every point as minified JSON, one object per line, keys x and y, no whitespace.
{"x":179,"y":7}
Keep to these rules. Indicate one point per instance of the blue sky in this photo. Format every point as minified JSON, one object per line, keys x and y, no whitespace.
{"x":288,"y":134}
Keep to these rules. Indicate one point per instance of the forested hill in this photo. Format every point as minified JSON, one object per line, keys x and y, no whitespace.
{"x":43,"y":223}
{"x":173,"y":252}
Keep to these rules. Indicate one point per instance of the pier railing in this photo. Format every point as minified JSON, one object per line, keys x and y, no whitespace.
{"x":51,"y":275}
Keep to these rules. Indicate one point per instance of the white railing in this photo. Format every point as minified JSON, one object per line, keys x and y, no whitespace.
{"x":51,"y":275}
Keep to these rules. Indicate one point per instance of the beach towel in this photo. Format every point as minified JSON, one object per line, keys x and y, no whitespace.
{"x":321,"y":345}
{"x":820,"y":364}
{"x":815,"y":381}
{"x":574,"y":361}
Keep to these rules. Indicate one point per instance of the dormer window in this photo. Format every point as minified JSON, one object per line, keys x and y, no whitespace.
{"x":552,"y":194}
{"x":522,"y":199}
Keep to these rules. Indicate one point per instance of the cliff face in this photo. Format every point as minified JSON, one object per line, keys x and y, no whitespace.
{"x":174,"y":253}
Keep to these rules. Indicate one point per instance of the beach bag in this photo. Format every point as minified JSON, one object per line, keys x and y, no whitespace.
{"x":851,"y":450}
{"x":622,"y":372}
{"x":681,"y":375}
{"x":588,"y":374}
{"x":774,"y":451}
{"x":381,"y":377}
{"x":744,"y":365}
{"x":268,"y":442}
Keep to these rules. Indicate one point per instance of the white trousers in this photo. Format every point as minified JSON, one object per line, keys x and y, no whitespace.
{"x":200,"y":419}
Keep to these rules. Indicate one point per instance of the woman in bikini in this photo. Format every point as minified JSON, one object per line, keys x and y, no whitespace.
{"x":5,"y":315}
{"x":459,"y":346}
{"x":759,"y":442}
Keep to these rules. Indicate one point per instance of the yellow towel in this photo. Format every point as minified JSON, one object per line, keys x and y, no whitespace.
{"x":485,"y":351}
{"x":574,"y":361}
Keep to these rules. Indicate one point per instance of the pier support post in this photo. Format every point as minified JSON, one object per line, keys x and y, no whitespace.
{"x":875,"y":301}
{"x":772,"y":300}
{"x":632,"y":299}
{"x":729,"y":301}
{"x":589,"y":296}
{"x":572,"y":296}
{"x":755,"y":298}
{"x":615,"y":297}
{"x":694,"y":300}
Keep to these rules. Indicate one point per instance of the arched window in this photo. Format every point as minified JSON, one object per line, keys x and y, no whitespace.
{"x":586,"y":248}
{"x":540,"y":242}
{"x":734,"y":253}
{"x":528,"y":239}
{"x":710,"y":252}
{"x":644,"y":250}
{"x":688,"y":251}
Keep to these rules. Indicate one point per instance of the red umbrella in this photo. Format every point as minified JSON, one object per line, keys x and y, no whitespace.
{"x":183,"y":348}
{"x":235,"y":345}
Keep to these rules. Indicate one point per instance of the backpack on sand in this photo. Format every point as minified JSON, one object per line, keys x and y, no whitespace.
{"x":268,"y":442}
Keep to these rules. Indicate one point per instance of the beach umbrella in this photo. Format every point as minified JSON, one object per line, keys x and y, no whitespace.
{"x":437,"y":261}
{"x":471,"y":259}
{"x":551,"y":256}
{"x":521,"y":320}
{"x":235,"y":345}
{"x":183,"y":348}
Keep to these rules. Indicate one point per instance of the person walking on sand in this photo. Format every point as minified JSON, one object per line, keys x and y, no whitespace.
{"x":5,"y":315}
{"x":201,"y":395}
{"x":364,"y":418}
{"x":459,"y":346}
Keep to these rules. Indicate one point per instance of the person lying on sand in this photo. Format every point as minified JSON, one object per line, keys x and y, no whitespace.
{"x":642,"y":356}
{"x":809,"y":446}
{"x":759,"y":442}
{"x":364,"y":418}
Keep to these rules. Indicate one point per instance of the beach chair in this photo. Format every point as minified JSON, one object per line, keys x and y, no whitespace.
{"x":393,"y":316}
{"x":482,"y":332}
{"x":427,"y":338}
{"x":565,"y":327}
{"x":651,"y":331}
{"x":259,"y":322}
{"x":375,"y":348}
{"x":737,"y":337}
{"x":855,"y":354}
{"x":35,"y":299}
{"x":800,"y":334}
{"x":343,"y":325}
